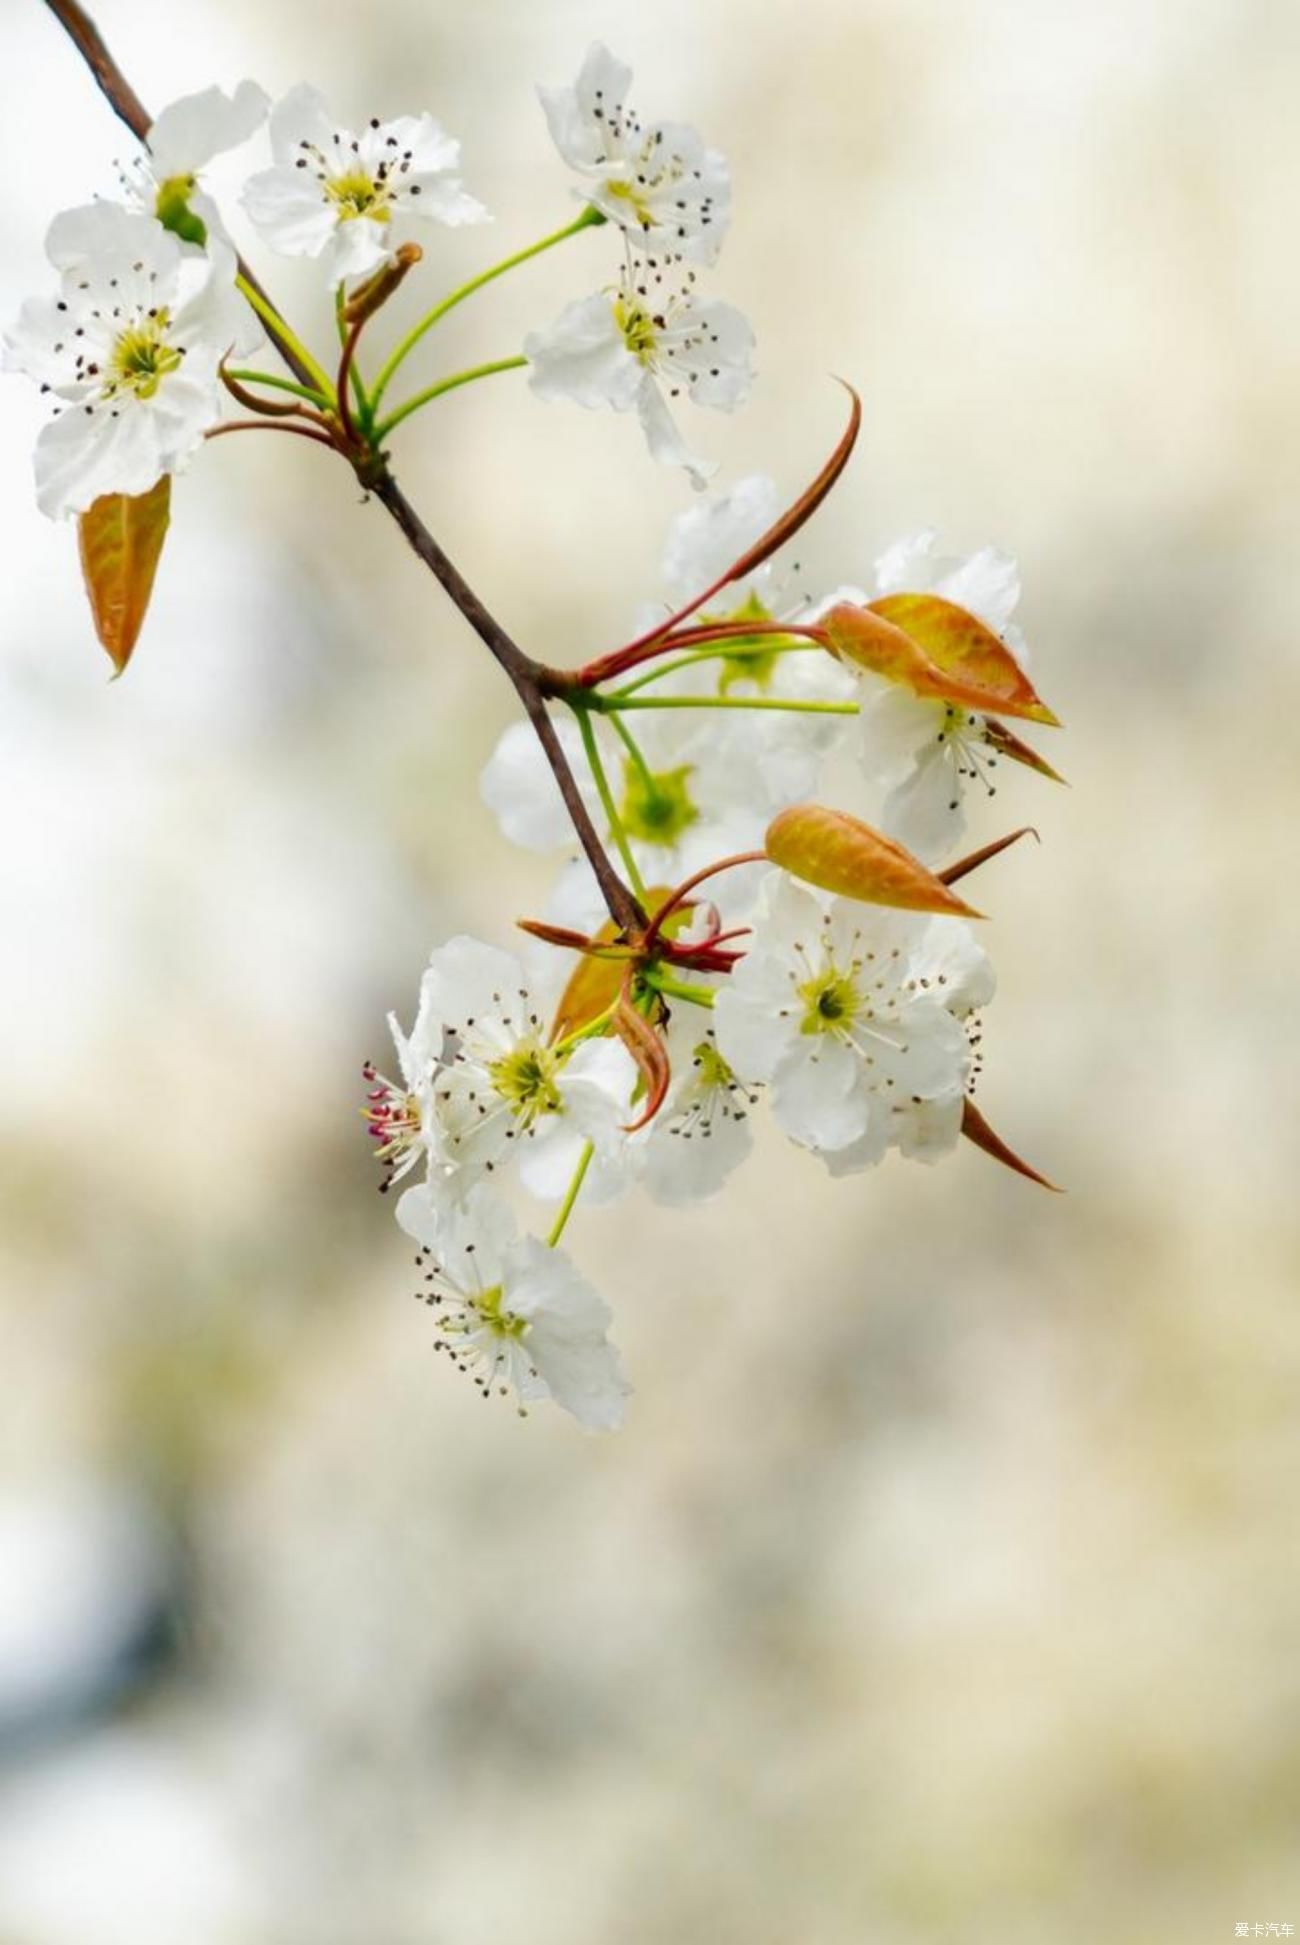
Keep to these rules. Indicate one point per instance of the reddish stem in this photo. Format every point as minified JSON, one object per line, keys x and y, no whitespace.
{"x":666,"y":910}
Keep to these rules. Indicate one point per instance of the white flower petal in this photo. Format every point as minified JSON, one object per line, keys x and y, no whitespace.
{"x":582,"y":357}
{"x":188,"y":133}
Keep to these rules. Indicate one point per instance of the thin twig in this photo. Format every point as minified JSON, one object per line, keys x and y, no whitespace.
{"x":532,"y":681}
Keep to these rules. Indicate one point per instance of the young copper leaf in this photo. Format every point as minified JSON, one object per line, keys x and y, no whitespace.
{"x":1011,"y":746}
{"x":967,"y":652}
{"x":952,"y":872}
{"x":121,"y":537}
{"x":594,"y":983}
{"x":862,"y":636}
{"x":841,"y":854}
{"x":650,"y":1054}
{"x":976,"y":1129}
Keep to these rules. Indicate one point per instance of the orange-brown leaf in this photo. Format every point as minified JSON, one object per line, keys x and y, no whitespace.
{"x":650,"y":1054}
{"x":1002,"y":740}
{"x":840,"y":853}
{"x":121,"y":536}
{"x":976,"y":1129}
{"x":971,"y":659}
{"x":952,"y":872}
{"x":594,"y":983}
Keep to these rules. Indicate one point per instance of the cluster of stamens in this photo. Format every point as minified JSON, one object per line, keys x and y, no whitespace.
{"x":656,"y":169}
{"x":963,"y":732}
{"x":648,"y":307}
{"x":715,"y":1090}
{"x":475,"y":1330}
{"x":348,"y":185}
{"x":393,"y":1122}
{"x":139,"y":356}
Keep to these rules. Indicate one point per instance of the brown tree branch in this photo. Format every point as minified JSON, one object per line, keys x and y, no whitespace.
{"x":532,"y":681}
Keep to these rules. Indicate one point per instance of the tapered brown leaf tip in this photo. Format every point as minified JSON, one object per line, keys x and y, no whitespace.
{"x":976,"y":1129}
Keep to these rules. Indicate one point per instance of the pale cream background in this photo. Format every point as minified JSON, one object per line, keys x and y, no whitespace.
{"x":944,"y":1583}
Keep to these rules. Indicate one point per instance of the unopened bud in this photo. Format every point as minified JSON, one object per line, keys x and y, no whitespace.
{"x":367,"y":298}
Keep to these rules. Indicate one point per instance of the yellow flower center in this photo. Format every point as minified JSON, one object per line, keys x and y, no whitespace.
{"x":626,"y":192}
{"x":526,"y":1079}
{"x":501,"y":1322}
{"x":357,"y":194}
{"x":640,"y":329}
{"x":831,"y":1002}
{"x":141,"y":357}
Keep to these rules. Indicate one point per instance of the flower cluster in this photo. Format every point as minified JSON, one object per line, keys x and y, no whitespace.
{"x":720,"y":939}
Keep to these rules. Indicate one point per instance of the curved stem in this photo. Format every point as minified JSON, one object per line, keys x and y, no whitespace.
{"x":620,"y":700}
{"x":590,"y":217}
{"x":738,"y":654}
{"x":571,"y":1195}
{"x":608,"y":805}
{"x":524,"y":673}
{"x":276,"y":383}
{"x":674,"y":903}
{"x":284,"y":338}
{"x":349,"y":375}
{"x":677,"y":989}
{"x":532,"y":682}
{"x":431,"y":392}
{"x":606,"y":667}
{"x":637,"y":755}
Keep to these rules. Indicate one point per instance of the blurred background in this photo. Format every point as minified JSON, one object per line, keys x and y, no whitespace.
{"x":944,"y":1583}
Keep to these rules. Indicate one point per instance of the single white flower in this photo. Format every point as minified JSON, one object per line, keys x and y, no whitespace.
{"x":513,"y":1314}
{"x":855,"y":1015}
{"x":184,"y":138}
{"x":130,"y":349}
{"x":669,"y":194}
{"x":703,"y":1131}
{"x":484,"y":1082}
{"x":345,"y":198}
{"x":926,"y":754}
{"x":620,"y":348}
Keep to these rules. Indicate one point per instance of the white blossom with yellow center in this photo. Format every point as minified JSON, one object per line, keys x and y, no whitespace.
{"x":511,"y":1313}
{"x":129,"y":351}
{"x":666,"y":190}
{"x":348,"y":198}
{"x":857,"y":1016}
{"x":640,"y":344}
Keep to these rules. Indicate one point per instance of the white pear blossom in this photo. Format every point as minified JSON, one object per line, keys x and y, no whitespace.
{"x":512,"y":1313}
{"x":667,"y":191}
{"x":481,"y":1082}
{"x":346,"y":198}
{"x":129,"y":349}
{"x":925,"y":753}
{"x":184,"y":138}
{"x":621,"y":347}
{"x":703,"y":1131}
{"x":857,"y":1016}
